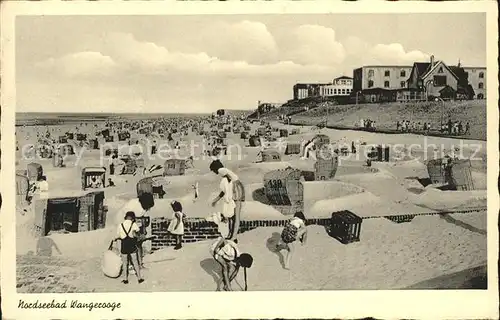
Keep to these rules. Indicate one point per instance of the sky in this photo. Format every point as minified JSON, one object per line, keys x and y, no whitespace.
{"x":202,"y":63}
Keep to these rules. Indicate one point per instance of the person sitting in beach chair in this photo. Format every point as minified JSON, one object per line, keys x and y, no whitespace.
{"x":190,"y":163}
{"x":307,"y":149}
{"x":95,"y":183}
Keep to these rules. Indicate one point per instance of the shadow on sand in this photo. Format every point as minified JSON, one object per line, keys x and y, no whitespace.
{"x":44,"y":247}
{"x":473,"y":278}
{"x":213,"y":269}
{"x":271,"y":244}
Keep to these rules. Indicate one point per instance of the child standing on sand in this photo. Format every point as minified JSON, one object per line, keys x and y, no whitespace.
{"x":196,"y":191}
{"x":127,"y":233}
{"x":176,"y":226}
{"x":295,"y":230}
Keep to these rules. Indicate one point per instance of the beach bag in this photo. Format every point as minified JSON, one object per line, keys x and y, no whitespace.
{"x":111,"y":263}
{"x":289,"y":233}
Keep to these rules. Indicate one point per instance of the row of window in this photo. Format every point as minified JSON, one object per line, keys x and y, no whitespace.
{"x":387,"y":84}
{"x":402,"y":73}
{"x":329,"y":91}
{"x":439,"y":81}
{"x":387,"y":73}
{"x":344,"y":82}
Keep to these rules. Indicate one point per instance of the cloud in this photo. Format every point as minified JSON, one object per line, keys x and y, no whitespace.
{"x":80,"y":64}
{"x":313,"y":44}
{"x":123,"y":54}
{"x":395,"y":53}
{"x":246,"y":41}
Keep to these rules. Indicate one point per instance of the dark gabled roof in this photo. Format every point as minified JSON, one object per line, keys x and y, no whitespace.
{"x":435,"y":66}
{"x":422,"y":67}
{"x":458,"y":71}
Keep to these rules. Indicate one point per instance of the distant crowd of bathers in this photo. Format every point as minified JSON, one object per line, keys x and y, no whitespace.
{"x":452,"y":128}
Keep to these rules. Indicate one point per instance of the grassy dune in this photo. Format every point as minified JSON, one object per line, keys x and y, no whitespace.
{"x":385,"y":115}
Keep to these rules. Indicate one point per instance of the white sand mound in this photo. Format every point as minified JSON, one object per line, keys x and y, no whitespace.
{"x":269,"y":166}
{"x":357,"y":203}
{"x":437,"y":199}
{"x":317,"y":190}
{"x":254,"y":210}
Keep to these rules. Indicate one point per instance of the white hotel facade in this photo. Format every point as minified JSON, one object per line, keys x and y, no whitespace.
{"x":341,"y":86}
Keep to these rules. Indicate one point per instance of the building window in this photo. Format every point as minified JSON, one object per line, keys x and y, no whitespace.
{"x":370,"y":73}
{"x":386,"y":84}
{"x":481,"y":75}
{"x":440,"y":70}
{"x":387,"y":73}
{"x":403,"y":84}
{"x":439,"y":81}
{"x":370,"y":83}
{"x":403,"y":73}
{"x":343,"y":91}
{"x":334,"y":91}
{"x":481,"y":85}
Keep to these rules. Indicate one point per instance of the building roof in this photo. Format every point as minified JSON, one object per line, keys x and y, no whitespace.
{"x":343,"y":77}
{"x":386,"y":66}
{"x":311,"y":84}
{"x":435,"y":66}
{"x":458,"y":71}
{"x":422,"y":67}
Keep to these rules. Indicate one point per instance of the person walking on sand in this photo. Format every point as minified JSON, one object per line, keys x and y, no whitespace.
{"x":295,"y":230}
{"x":176,"y":226}
{"x":232,"y":192}
{"x":127,"y":234}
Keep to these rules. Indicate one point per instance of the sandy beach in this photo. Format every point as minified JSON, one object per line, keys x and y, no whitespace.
{"x":388,"y":256}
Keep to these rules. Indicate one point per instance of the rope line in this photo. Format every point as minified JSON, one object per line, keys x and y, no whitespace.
{"x":410,"y":216}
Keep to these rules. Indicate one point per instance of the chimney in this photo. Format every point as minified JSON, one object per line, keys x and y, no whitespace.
{"x":432,"y":61}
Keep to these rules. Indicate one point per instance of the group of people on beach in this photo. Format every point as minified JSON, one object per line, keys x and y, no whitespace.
{"x":450,"y":127}
{"x":455,"y":128}
{"x":133,"y":231}
{"x":367,"y":123}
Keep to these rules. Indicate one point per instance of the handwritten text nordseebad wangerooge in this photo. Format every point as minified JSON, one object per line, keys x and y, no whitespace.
{"x":73,"y":304}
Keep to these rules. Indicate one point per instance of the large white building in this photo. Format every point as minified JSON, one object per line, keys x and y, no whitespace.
{"x":341,"y":86}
